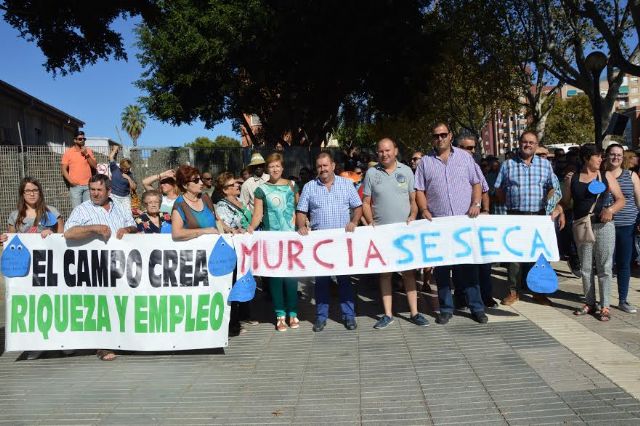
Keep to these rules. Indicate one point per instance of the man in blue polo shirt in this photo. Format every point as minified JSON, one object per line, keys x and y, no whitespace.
{"x":327,"y":202}
{"x":390,"y":197}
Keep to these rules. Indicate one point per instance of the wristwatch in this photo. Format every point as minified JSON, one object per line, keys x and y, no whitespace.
{"x":477,"y":205}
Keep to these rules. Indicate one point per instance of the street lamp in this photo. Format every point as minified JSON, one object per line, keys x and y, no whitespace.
{"x":595,"y":63}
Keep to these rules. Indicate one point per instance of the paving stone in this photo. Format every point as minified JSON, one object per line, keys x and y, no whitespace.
{"x":510,"y":372}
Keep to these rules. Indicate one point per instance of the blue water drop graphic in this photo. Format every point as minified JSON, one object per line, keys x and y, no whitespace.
{"x":49,"y":220}
{"x":222,"y":259}
{"x":165,"y":228}
{"x":16,"y":259}
{"x":542,"y":278}
{"x":596,"y":187}
{"x":244,"y":289}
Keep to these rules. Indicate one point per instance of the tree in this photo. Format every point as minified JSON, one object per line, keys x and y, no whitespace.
{"x":612,"y":20}
{"x":566,"y":36}
{"x":570,"y":121}
{"x":133,"y":122}
{"x":71,"y":33}
{"x":220,"y":141}
{"x":474,"y":79}
{"x":293,"y":64}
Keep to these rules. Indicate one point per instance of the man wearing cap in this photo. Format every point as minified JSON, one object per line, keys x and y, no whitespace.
{"x":527,"y":185}
{"x":77,"y":164}
{"x":258,"y":177}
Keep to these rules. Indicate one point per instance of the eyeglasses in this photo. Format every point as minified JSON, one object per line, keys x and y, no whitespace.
{"x":196,"y":179}
{"x":437,"y":136}
{"x":31,"y":191}
{"x":416,"y":159}
{"x":469,"y":148}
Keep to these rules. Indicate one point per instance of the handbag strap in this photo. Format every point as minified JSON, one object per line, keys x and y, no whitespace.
{"x":597,"y":196}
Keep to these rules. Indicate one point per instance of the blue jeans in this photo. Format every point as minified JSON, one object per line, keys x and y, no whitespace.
{"x":465,"y":279}
{"x":624,"y":250}
{"x":486,"y":289}
{"x":344,"y":291}
{"x":78,"y":194}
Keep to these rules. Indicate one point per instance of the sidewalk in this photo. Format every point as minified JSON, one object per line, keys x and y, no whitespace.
{"x":530,"y":365}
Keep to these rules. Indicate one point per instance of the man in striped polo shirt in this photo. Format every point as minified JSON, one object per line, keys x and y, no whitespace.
{"x":99,"y":217}
{"x":449,"y":184}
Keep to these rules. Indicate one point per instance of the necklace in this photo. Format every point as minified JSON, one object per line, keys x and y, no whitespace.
{"x":189,"y":199}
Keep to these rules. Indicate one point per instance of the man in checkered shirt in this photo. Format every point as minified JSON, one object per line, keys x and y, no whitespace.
{"x":525,"y":183}
{"x":327,"y":201}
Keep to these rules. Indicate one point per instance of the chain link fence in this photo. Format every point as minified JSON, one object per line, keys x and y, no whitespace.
{"x":43,"y":163}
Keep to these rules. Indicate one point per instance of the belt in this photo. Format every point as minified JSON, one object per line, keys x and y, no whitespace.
{"x":538,"y":213}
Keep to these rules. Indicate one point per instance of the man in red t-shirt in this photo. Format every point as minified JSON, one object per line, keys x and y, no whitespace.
{"x":78,"y":164}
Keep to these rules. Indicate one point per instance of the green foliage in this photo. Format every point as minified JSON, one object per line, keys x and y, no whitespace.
{"x":219,"y":142}
{"x":133,"y":122}
{"x":570,"y":121}
{"x":71,"y":33}
{"x":294,"y":64}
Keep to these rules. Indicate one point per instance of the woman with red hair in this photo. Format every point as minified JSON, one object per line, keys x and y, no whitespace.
{"x":193,"y":212}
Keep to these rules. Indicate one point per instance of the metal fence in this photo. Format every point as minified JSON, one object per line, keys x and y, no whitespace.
{"x":43,"y":163}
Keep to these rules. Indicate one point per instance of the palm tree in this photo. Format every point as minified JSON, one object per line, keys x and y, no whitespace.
{"x":133,"y":122}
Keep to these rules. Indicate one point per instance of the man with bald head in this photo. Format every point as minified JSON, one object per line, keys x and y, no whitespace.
{"x":389,"y":197}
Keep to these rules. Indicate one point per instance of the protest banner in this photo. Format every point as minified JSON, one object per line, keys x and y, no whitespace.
{"x":397,"y":247}
{"x":143,"y":293}
{"x":150,"y":293}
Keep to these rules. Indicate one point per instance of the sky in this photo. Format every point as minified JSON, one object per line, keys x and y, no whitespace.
{"x":96,"y":95}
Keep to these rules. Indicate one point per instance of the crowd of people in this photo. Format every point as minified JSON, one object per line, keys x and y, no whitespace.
{"x":579,"y":186}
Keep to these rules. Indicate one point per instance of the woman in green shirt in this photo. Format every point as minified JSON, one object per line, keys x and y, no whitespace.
{"x":275,"y":207}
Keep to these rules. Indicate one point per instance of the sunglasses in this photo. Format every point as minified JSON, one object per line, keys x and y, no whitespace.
{"x":469,"y":148}
{"x":437,"y":136}
{"x":81,"y":139}
{"x":358,"y":173}
{"x":232,"y":185}
{"x":196,"y":180}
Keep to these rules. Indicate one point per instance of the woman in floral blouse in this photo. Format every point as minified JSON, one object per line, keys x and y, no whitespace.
{"x":235,"y":218}
{"x":153,"y":221}
{"x":234,"y":215}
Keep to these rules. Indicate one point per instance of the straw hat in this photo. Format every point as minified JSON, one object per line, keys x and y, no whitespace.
{"x":256,"y":159}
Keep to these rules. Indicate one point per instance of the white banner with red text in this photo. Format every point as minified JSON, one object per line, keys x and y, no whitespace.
{"x":142,"y":293}
{"x":397,"y":247}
